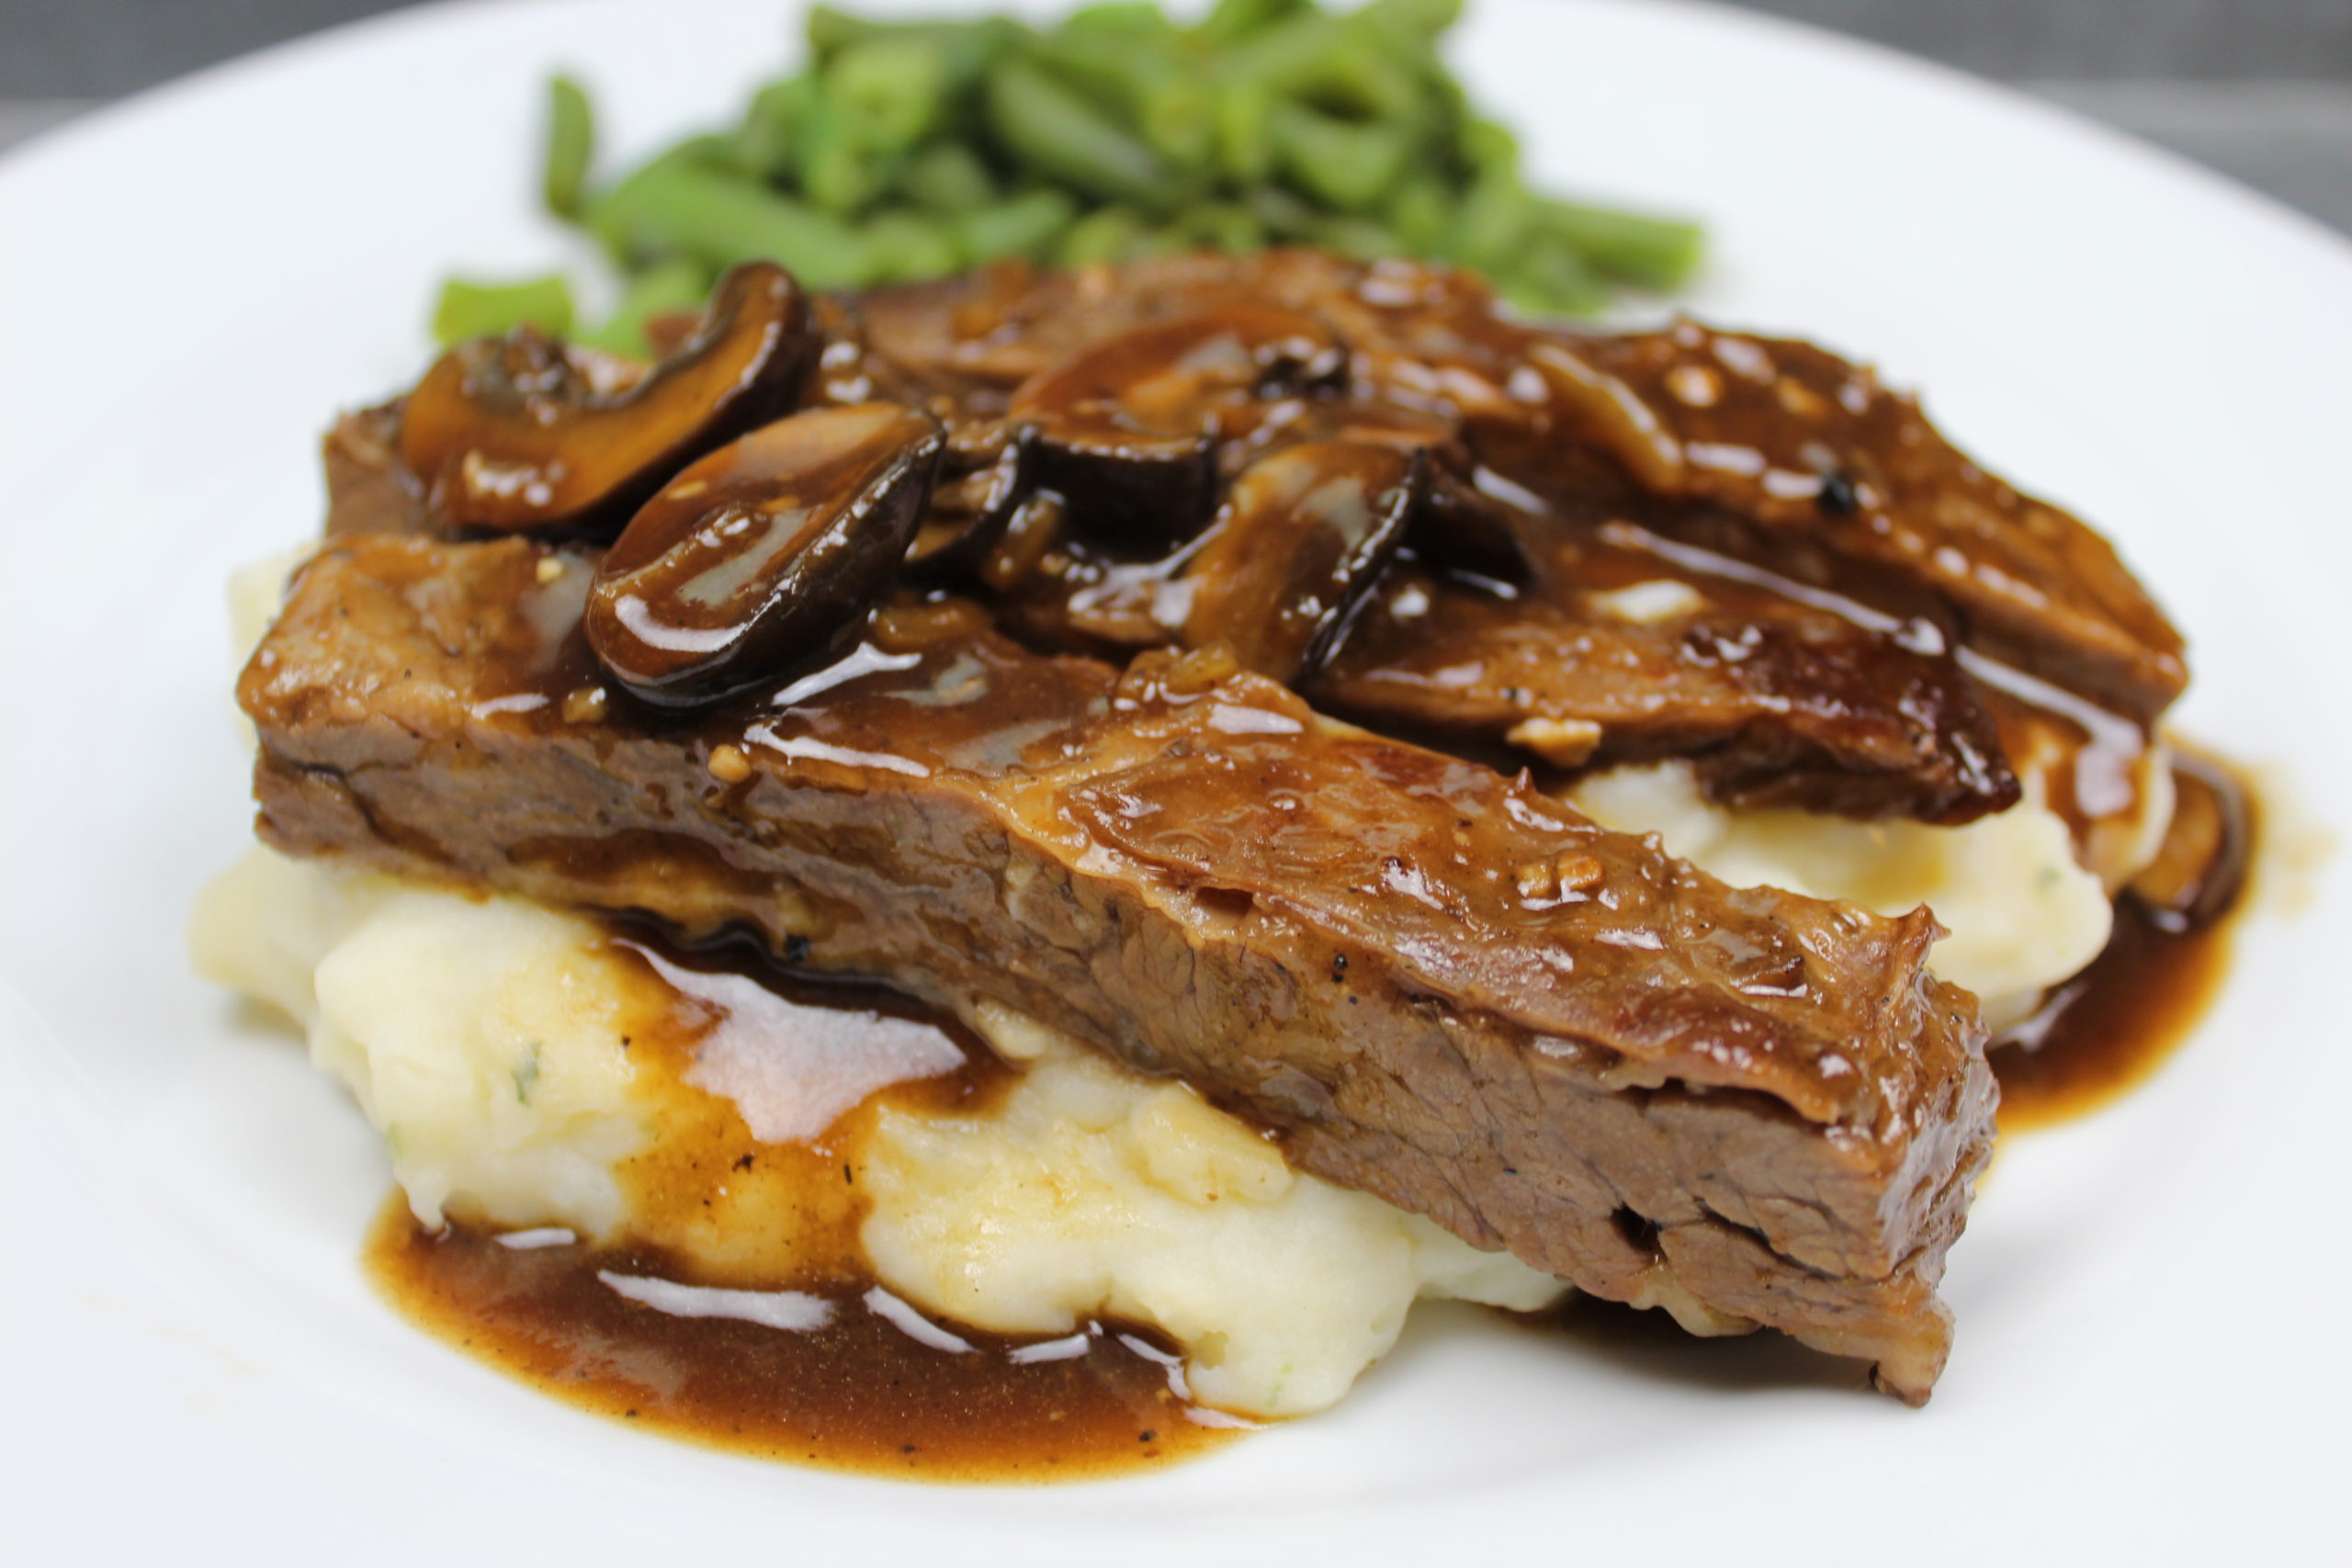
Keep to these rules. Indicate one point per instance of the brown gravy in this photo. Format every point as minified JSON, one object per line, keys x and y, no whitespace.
{"x":858,"y":1393}
{"x":861,"y":1393}
{"x":2109,"y":1029}
{"x":2113,"y":1025}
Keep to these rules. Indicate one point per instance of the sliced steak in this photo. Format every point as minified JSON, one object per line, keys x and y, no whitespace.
{"x":1437,"y":986}
{"x":1765,"y":451}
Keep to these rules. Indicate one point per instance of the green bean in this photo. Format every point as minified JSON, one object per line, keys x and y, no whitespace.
{"x":947,"y":177}
{"x":767,"y":142}
{"x":1178,"y":116}
{"x":1120,"y":16}
{"x":601,"y":215}
{"x":1359,"y":237}
{"x":1495,"y":216}
{"x":665,"y":288}
{"x":1099,"y":237}
{"x":908,"y":148}
{"x":470,"y":309}
{"x":1136,"y":78}
{"x":968,"y":48}
{"x":1245,"y":148}
{"x":1549,"y":279}
{"x":836,"y":173}
{"x":1284,"y":216}
{"x":1411,"y":24}
{"x":1222,"y":225}
{"x":905,"y":245}
{"x":1649,"y":253}
{"x":572,"y":145}
{"x":1157,"y":241}
{"x":1023,"y":225}
{"x":719,"y":218}
{"x":1488,"y":145}
{"x":1320,"y":60}
{"x":1056,"y":133}
{"x":1229,"y":21}
{"x":1348,"y":165}
{"x":889,"y":93}
{"x":1421,"y":212}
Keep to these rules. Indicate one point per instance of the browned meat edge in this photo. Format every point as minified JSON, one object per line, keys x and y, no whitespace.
{"x":1440,"y":987}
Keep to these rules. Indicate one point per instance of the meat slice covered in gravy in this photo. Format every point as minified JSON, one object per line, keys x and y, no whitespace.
{"x":1433,"y":984}
{"x":1875,"y":550}
{"x":1078,"y":736}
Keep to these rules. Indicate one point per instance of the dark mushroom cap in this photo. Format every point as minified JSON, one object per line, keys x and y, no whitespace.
{"x":1125,"y":427}
{"x":765,"y":555}
{"x":1299,"y":542}
{"x":523,"y":432}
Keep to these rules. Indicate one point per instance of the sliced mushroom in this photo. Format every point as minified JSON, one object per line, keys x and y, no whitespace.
{"x":2201,"y":869}
{"x":1296,"y":547}
{"x":983,"y":480}
{"x":1462,"y":530}
{"x":765,"y":554}
{"x":1125,"y":427}
{"x":523,"y":431}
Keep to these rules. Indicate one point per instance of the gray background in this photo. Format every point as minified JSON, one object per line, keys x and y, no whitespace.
{"x":2261,"y":89}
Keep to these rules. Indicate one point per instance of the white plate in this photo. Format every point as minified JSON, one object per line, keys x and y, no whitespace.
{"x":2149,"y":1364}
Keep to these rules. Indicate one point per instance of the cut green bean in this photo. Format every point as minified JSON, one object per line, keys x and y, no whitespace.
{"x":1225,"y":226}
{"x":1023,"y":225}
{"x":1495,"y":216}
{"x":947,"y":177}
{"x":469,"y":308}
{"x":1231,"y":21}
{"x":1286,"y":217}
{"x":1349,"y":167}
{"x":767,"y":142}
{"x":666,"y":289}
{"x":1128,"y":19}
{"x":1488,"y":145}
{"x":1647,"y":252}
{"x":1056,"y":133}
{"x":720,"y":219}
{"x":908,"y":149}
{"x":571,"y":146}
{"x":1549,"y":279}
{"x":837,"y":176}
{"x":1245,"y":146}
{"x":1100,"y":237}
{"x":904,"y":245}
{"x":1414,"y":25}
{"x":888,"y":93}
{"x":1358,"y":237}
{"x":1421,"y":212}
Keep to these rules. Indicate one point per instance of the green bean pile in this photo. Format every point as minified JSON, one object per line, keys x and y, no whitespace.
{"x":911,"y":150}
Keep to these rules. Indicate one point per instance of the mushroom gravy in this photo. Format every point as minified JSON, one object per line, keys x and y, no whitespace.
{"x":860,"y":1392}
{"x":2111,"y":1027}
{"x":740,"y":1313}
{"x":834,"y":1372}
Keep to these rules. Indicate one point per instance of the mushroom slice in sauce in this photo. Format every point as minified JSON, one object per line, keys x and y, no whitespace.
{"x":763,"y":554}
{"x":523,"y":431}
{"x":1296,"y":547}
{"x":1127,"y":426}
{"x":984,"y":478}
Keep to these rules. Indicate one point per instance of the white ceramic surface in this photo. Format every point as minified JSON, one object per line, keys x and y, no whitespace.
{"x":2148,"y":1369}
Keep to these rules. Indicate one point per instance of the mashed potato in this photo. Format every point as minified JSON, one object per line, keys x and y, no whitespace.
{"x":487,"y":1038}
{"x":1091,"y":1190}
{"x":2023,"y":914}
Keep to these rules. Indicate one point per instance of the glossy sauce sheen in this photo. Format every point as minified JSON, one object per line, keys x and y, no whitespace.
{"x":859,"y":1392}
{"x":2110,"y":1027}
